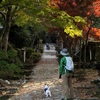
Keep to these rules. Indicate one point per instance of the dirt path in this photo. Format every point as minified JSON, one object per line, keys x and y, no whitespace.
{"x":46,"y":71}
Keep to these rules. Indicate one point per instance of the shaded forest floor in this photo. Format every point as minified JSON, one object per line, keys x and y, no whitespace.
{"x":84,"y":84}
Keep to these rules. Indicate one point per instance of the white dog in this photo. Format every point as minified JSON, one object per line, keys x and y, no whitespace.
{"x":47,"y":91}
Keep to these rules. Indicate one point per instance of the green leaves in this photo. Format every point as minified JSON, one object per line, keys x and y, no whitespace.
{"x":72,"y":30}
{"x":68,"y":23}
{"x":79,"y":19}
{"x":71,"y":27}
{"x":96,"y":22}
{"x":33,"y":12}
{"x":22,"y":18}
{"x":10,"y":63}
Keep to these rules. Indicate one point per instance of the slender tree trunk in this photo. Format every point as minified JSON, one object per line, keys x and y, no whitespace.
{"x":86,"y":42}
{"x":65,"y":41}
{"x":80,"y":54}
{"x":62,"y":36}
{"x":5,"y":36}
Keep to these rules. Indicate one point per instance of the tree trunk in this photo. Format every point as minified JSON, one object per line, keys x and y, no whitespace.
{"x":80,"y":46}
{"x":85,"y":47}
{"x":5,"y":36}
{"x":67,"y":42}
{"x":63,"y":36}
{"x":86,"y":42}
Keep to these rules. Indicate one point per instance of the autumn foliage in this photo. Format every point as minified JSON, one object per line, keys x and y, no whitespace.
{"x":96,"y":6}
{"x":83,"y":8}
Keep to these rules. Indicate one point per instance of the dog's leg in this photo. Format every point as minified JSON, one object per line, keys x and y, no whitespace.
{"x":49,"y":93}
{"x":46,"y":94}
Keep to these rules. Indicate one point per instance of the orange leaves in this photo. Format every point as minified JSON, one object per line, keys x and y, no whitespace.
{"x":97,"y":31}
{"x":96,"y":6}
{"x":74,"y":3}
{"x":83,"y":8}
{"x":77,"y":7}
{"x":54,"y":4}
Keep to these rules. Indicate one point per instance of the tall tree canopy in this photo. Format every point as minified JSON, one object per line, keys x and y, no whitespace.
{"x":21,"y":13}
{"x":65,"y":14}
{"x":84,"y":8}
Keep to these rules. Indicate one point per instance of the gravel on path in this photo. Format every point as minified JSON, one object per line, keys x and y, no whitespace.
{"x":45,"y":72}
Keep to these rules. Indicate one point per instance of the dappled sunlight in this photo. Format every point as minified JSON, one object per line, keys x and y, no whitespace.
{"x":45,"y":72}
{"x":40,"y":85}
{"x":36,"y":89}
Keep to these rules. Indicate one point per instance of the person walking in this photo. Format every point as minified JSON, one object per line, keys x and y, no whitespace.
{"x":66,"y":70}
{"x":47,"y":46}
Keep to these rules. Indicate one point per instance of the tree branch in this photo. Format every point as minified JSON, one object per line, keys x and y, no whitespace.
{"x":2,"y":15}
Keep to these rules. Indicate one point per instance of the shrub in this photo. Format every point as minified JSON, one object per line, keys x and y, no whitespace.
{"x":41,"y":48}
{"x":10,"y":63}
{"x":3,"y":55}
{"x":12,"y":53}
{"x":29,"y":52}
{"x":32,"y":56}
{"x":36,"y":56}
{"x":9,"y":69}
